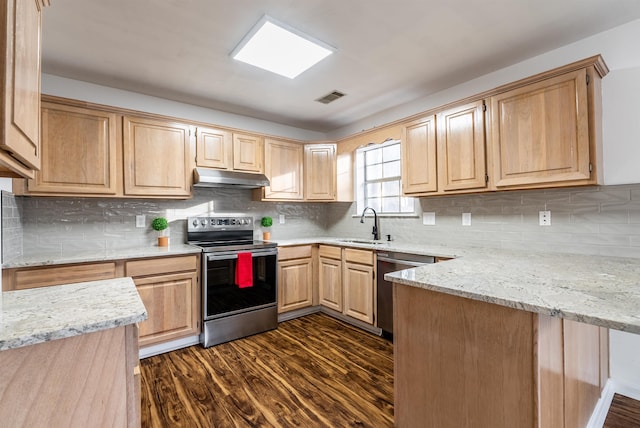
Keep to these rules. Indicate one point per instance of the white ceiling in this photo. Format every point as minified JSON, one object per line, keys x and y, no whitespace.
{"x":388,"y":52}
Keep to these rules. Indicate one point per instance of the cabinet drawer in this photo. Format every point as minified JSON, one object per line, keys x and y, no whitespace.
{"x":295,"y":252}
{"x":363,"y":257}
{"x":330,"y":252}
{"x":20,"y":279}
{"x":161,"y":265}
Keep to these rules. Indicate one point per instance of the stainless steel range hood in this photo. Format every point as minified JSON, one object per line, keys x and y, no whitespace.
{"x":205,"y":177}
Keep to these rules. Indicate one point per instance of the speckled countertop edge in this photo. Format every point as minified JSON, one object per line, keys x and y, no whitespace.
{"x":47,"y":259}
{"x":43,"y":314}
{"x":602,"y":291}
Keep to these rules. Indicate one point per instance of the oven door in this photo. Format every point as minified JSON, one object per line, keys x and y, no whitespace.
{"x":223,"y":297}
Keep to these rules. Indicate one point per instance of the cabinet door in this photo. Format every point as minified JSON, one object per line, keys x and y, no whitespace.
{"x":78,"y":151}
{"x":358,"y":292}
{"x":419,"y":173}
{"x":540,"y":132}
{"x":157,"y":158}
{"x":330,"y":283}
{"x":248,"y":151}
{"x":20,"y":86}
{"x":295,"y":284}
{"x":461,"y":148}
{"x":214,"y":148}
{"x":172,"y":307}
{"x":283,"y":167}
{"x":320,"y":172}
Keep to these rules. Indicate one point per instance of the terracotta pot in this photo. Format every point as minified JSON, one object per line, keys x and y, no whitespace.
{"x":266,"y":236}
{"x":163,"y":241}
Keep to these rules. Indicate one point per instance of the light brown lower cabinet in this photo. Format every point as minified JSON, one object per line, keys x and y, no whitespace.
{"x":330,"y":277}
{"x":170,"y":291}
{"x":295,"y":278}
{"x":465,"y":363}
{"x":87,"y":380}
{"x":168,"y":286}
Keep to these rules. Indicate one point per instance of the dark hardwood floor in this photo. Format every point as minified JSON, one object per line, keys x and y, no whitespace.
{"x":623,"y":413}
{"x":311,"y":372}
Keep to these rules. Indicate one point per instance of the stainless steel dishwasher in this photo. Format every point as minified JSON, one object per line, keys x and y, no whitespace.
{"x":391,"y":261}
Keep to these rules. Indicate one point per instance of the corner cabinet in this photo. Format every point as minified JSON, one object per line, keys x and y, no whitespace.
{"x":541,"y":133}
{"x":157,"y":157}
{"x":320,"y":172}
{"x":295,"y":278}
{"x":462,"y":164}
{"x":20,"y":87}
{"x":79,"y":151}
{"x":419,"y":164}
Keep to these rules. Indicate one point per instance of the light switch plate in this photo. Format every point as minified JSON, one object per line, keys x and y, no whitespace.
{"x":429,"y":219}
{"x":466,"y":219}
{"x":281,"y":218}
{"x":140,"y":221}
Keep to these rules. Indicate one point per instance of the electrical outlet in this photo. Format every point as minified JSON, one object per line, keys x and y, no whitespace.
{"x":545,"y":218}
{"x":466,"y":219}
{"x":140,"y":221}
{"x":429,"y":219}
{"x":281,"y":218}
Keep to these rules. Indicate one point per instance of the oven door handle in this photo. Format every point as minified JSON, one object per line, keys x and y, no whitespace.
{"x":234,"y":254}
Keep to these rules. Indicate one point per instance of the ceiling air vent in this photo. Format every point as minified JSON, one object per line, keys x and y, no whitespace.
{"x":330,"y":97}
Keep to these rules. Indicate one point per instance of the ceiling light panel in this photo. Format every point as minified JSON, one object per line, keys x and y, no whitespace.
{"x":276,"y":47}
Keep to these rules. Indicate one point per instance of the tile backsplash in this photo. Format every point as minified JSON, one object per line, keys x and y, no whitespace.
{"x":602,"y":220}
{"x":57,"y":225}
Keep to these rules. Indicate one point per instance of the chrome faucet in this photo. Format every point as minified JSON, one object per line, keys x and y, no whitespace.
{"x":374,"y":232}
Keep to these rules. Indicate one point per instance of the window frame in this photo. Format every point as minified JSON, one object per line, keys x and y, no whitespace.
{"x":360,"y":181}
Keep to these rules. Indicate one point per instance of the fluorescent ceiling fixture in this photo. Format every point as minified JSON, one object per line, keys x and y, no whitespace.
{"x":278,"y":48}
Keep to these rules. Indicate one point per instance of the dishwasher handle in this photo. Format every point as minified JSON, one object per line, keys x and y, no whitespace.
{"x":402,"y":262}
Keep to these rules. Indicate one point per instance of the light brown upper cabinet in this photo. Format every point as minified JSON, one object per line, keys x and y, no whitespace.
{"x":20,"y":87}
{"x":284,"y":169}
{"x":419,"y":164}
{"x":157,"y":157}
{"x":214,"y":148}
{"x":79,"y":151}
{"x":540,"y":133}
{"x":461,"y":148}
{"x":248,"y":152}
{"x":320,"y":172}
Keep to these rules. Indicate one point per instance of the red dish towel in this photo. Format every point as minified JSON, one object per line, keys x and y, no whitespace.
{"x":244,"y":270}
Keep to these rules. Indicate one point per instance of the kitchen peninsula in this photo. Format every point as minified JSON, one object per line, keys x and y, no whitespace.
{"x":501,"y":339}
{"x":69,"y":355}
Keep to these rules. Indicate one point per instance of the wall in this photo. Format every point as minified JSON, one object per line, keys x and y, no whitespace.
{"x":62,"y":225}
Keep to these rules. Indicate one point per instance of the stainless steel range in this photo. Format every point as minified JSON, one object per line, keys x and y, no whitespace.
{"x":238,"y":278}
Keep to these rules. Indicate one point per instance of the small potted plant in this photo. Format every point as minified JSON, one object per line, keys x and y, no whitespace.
{"x":161,"y":224}
{"x":266,"y":223}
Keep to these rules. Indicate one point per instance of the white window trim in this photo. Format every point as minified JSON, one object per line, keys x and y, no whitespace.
{"x":373,"y":146}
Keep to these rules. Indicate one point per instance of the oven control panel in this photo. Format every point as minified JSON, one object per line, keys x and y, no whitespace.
{"x":204,"y":224}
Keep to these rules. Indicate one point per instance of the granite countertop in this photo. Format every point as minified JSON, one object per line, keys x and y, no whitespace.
{"x":602,"y":291}
{"x":48,"y":313}
{"x":36,"y":258}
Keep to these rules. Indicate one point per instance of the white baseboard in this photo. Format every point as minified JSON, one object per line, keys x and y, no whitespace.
{"x":612,"y":387}
{"x":161,"y":348}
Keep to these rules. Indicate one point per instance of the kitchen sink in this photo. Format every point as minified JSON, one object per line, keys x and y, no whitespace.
{"x":363,"y":241}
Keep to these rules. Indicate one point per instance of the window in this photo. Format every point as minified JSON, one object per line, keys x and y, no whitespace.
{"x":378,"y":182}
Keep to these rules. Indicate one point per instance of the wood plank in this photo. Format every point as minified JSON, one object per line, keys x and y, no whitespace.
{"x":623,"y":413}
{"x":312,"y":371}
{"x":461,"y":363}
